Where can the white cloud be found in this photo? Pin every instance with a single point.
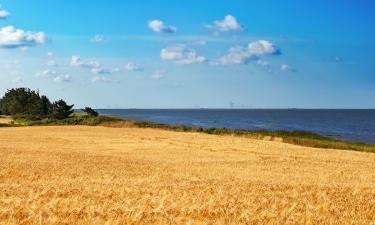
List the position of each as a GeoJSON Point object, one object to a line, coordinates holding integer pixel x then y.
{"type": "Point", "coordinates": [158, 26]}
{"type": "Point", "coordinates": [98, 38]}
{"type": "Point", "coordinates": [261, 62]}
{"type": "Point", "coordinates": [78, 62]}
{"type": "Point", "coordinates": [132, 67]}
{"type": "Point", "coordinates": [52, 63]}
{"type": "Point", "coordinates": [11, 37]}
{"type": "Point", "coordinates": [50, 54]}
{"type": "Point", "coordinates": [101, 70]}
{"type": "Point", "coordinates": [46, 73]}
{"type": "Point", "coordinates": [235, 56]}
{"type": "Point", "coordinates": [286, 67]}
{"type": "Point", "coordinates": [62, 78]}
{"type": "Point", "coordinates": [180, 54]}
{"type": "Point", "coordinates": [4, 14]}
{"type": "Point", "coordinates": [263, 47]}
{"type": "Point", "coordinates": [158, 75]}
{"type": "Point", "coordinates": [229, 23]}
{"type": "Point", "coordinates": [255, 50]}
{"type": "Point", "coordinates": [100, 79]}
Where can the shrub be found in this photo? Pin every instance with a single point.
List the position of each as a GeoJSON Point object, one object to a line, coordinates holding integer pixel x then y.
{"type": "Point", "coordinates": [61, 110]}
{"type": "Point", "coordinates": [90, 112]}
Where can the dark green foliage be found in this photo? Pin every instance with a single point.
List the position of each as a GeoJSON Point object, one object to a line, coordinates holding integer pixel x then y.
{"type": "Point", "coordinates": [61, 110]}
{"type": "Point", "coordinates": [90, 112]}
{"type": "Point", "coordinates": [72, 120]}
{"type": "Point", "coordinates": [23, 102]}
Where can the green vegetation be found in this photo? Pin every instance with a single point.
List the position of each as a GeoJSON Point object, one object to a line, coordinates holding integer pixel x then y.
{"type": "Point", "coordinates": [90, 112]}
{"type": "Point", "coordinates": [302, 138]}
{"type": "Point", "coordinates": [73, 119]}
{"type": "Point", "coordinates": [23, 103]}
{"type": "Point", "coordinates": [28, 108]}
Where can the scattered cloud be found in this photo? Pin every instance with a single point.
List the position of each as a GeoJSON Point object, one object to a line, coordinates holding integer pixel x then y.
{"type": "Point", "coordinates": [132, 67]}
{"type": "Point", "coordinates": [100, 70]}
{"type": "Point", "coordinates": [158, 26]}
{"type": "Point", "coordinates": [288, 68]}
{"type": "Point", "coordinates": [62, 78]}
{"type": "Point", "coordinates": [337, 59]}
{"type": "Point", "coordinates": [254, 50]}
{"type": "Point", "coordinates": [158, 75]}
{"type": "Point", "coordinates": [11, 37]}
{"type": "Point", "coordinates": [4, 14]}
{"type": "Point", "coordinates": [100, 79]}
{"type": "Point", "coordinates": [46, 73]}
{"type": "Point", "coordinates": [98, 38]}
{"type": "Point", "coordinates": [52, 63]}
{"type": "Point", "coordinates": [264, 63]}
{"type": "Point", "coordinates": [180, 54]}
{"type": "Point", "coordinates": [95, 67]}
{"type": "Point", "coordinates": [79, 62]}
{"type": "Point", "coordinates": [262, 47]}
{"type": "Point", "coordinates": [229, 23]}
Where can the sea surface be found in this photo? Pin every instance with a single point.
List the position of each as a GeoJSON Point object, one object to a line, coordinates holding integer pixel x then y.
{"type": "Point", "coordinates": [350, 125]}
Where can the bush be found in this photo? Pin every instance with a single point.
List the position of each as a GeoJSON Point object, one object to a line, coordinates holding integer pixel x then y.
{"type": "Point", "coordinates": [90, 112]}
{"type": "Point", "coordinates": [61, 110]}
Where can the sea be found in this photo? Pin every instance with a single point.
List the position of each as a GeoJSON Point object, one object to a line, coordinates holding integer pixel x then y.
{"type": "Point", "coordinates": [356, 125]}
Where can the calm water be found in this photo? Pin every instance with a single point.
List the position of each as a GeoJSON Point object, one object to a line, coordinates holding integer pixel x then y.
{"type": "Point", "coordinates": [351, 125]}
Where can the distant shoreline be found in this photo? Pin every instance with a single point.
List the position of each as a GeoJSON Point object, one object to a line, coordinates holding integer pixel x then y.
{"type": "Point", "coordinates": [302, 138]}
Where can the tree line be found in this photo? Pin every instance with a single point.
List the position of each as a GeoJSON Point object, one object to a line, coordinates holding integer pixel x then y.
{"type": "Point", "coordinates": [29, 104]}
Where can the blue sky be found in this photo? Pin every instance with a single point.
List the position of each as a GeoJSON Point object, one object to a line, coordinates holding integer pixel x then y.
{"type": "Point", "coordinates": [188, 54]}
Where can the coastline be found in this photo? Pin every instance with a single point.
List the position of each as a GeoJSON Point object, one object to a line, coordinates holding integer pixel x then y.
{"type": "Point", "coordinates": [301, 138]}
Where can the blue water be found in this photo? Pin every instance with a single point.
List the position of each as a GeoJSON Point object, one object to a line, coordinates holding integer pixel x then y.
{"type": "Point", "coordinates": [350, 125]}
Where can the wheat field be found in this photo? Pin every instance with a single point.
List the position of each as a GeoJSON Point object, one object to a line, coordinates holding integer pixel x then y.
{"type": "Point", "coordinates": [99, 175]}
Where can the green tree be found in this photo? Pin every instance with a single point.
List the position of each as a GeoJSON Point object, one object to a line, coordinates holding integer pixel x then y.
{"type": "Point", "coordinates": [90, 112]}
{"type": "Point", "coordinates": [25, 102]}
{"type": "Point", "coordinates": [61, 110]}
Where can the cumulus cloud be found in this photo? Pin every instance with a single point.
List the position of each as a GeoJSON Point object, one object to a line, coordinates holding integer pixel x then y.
{"type": "Point", "coordinates": [62, 78]}
{"type": "Point", "coordinates": [132, 67]}
{"type": "Point", "coordinates": [98, 38]}
{"type": "Point", "coordinates": [263, 47]}
{"type": "Point", "coordinates": [158, 26]}
{"type": "Point", "coordinates": [180, 54]}
{"type": "Point", "coordinates": [4, 14]}
{"type": "Point", "coordinates": [11, 37]}
{"type": "Point", "coordinates": [254, 50]}
{"type": "Point", "coordinates": [288, 68]}
{"type": "Point", "coordinates": [157, 75]}
{"type": "Point", "coordinates": [79, 62]}
{"type": "Point", "coordinates": [229, 23]}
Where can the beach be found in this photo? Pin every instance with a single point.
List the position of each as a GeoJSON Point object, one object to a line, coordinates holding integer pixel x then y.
{"type": "Point", "coordinates": [98, 175]}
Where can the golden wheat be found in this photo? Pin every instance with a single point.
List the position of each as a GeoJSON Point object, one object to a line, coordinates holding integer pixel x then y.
{"type": "Point", "coordinates": [98, 175]}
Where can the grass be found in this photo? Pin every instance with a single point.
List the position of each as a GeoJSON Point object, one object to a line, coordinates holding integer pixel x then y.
{"type": "Point", "coordinates": [302, 138]}
{"type": "Point", "coordinates": [100, 175]}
